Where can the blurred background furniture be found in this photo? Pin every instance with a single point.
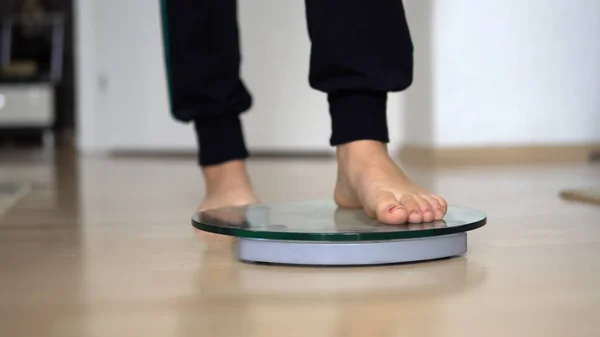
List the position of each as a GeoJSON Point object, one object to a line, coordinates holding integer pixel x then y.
{"type": "Point", "coordinates": [31, 66]}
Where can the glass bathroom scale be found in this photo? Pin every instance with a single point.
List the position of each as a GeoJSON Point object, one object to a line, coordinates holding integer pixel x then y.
{"type": "Point", "coordinates": [321, 233]}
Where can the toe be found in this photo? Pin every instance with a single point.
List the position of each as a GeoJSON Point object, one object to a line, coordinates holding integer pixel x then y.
{"type": "Point", "coordinates": [389, 211]}
{"type": "Point", "coordinates": [436, 206]}
{"type": "Point", "coordinates": [442, 202]}
{"type": "Point", "coordinates": [426, 209]}
{"type": "Point", "coordinates": [413, 208]}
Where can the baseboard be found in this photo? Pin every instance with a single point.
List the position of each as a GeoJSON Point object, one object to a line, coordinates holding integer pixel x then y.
{"type": "Point", "coordinates": [498, 155]}
{"type": "Point", "coordinates": [254, 154]}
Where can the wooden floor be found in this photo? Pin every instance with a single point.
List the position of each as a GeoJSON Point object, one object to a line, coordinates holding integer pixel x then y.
{"type": "Point", "coordinates": [104, 247]}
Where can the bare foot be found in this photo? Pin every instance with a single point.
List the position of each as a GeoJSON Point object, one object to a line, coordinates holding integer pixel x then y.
{"type": "Point", "coordinates": [227, 184]}
{"type": "Point", "coordinates": [369, 179]}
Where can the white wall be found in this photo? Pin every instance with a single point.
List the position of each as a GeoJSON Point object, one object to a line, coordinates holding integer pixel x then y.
{"type": "Point", "coordinates": [85, 74]}
{"type": "Point", "coordinates": [287, 114]}
{"type": "Point", "coordinates": [486, 73]}
{"type": "Point", "coordinates": [124, 104]}
{"type": "Point", "coordinates": [516, 72]}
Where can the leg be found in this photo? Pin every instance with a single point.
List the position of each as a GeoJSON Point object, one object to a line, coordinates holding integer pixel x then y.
{"type": "Point", "coordinates": [203, 71]}
{"type": "Point", "coordinates": [361, 50]}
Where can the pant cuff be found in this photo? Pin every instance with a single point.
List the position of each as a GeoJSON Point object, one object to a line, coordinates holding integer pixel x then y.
{"type": "Point", "coordinates": [220, 139]}
{"type": "Point", "coordinates": [358, 116]}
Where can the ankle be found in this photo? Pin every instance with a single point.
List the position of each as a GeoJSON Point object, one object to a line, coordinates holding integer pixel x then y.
{"type": "Point", "coordinates": [228, 167]}
{"type": "Point", "coordinates": [360, 150]}
{"type": "Point", "coordinates": [228, 175]}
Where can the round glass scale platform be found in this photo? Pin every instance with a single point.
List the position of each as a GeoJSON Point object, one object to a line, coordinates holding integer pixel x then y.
{"type": "Point", "coordinates": [320, 233]}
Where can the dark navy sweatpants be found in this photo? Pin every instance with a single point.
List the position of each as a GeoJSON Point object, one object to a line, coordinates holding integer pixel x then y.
{"type": "Point", "coordinates": [360, 51]}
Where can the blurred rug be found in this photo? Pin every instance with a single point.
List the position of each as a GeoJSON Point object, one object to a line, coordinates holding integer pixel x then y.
{"type": "Point", "coordinates": [586, 195]}
{"type": "Point", "coordinates": [10, 195]}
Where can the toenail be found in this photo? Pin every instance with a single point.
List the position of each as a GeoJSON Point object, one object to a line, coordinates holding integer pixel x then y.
{"type": "Point", "coordinates": [395, 208]}
{"type": "Point", "coordinates": [414, 212]}
{"type": "Point", "coordinates": [427, 211]}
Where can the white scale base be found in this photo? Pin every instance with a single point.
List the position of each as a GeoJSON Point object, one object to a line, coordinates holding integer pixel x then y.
{"type": "Point", "coordinates": [329, 253]}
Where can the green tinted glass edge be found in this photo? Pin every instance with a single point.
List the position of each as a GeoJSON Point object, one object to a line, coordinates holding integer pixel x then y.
{"type": "Point", "coordinates": [295, 236]}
